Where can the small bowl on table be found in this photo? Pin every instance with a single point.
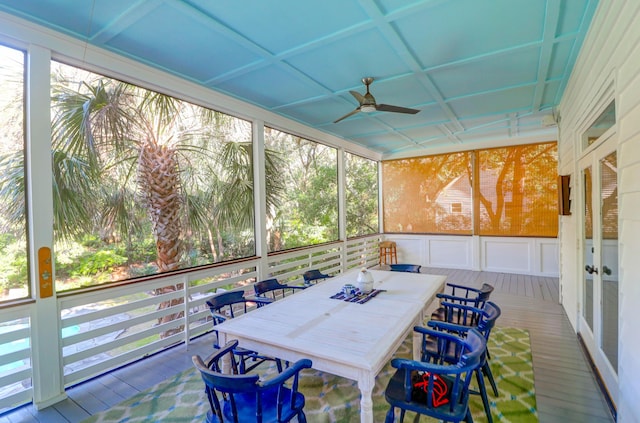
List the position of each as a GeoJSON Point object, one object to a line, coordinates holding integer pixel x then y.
{"type": "Point", "coordinates": [349, 290]}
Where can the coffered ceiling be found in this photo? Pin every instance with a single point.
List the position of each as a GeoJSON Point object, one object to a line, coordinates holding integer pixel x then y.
{"type": "Point", "coordinates": [476, 70]}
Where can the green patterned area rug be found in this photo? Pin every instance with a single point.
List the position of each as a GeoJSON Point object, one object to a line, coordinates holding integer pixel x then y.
{"type": "Point", "coordinates": [334, 399]}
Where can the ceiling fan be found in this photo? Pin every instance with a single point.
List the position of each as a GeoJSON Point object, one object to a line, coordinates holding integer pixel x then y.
{"type": "Point", "coordinates": [368, 103]}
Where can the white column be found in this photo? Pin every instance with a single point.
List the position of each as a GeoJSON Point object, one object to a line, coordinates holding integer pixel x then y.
{"type": "Point", "coordinates": [342, 207]}
{"type": "Point", "coordinates": [45, 329]}
{"type": "Point", "coordinates": [380, 214]}
{"type": "Point", "coordinates": [260, 198]}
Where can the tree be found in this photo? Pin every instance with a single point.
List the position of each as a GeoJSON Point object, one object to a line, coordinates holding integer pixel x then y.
{"type": "Point", "coordinates": [411, 189]}
{"type": "Point", "coordinates": [361, 185]}
{"type": "Point", "coordinates": [13, 243]}
{"type": "Point", "coordinates": [127, 160]}
{"type": "Point", "coordinates": [517, 189]}
{"type": "Point", "coordinates": [308, 212]}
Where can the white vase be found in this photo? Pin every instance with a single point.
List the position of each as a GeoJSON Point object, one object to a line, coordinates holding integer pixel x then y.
{"type": "Point", "coordinates": [365, 281]}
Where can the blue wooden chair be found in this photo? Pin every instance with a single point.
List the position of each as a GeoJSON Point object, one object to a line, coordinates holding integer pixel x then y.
{"type": "Point", "coordinates": [271, 288]}
{"type": "Point", "coordinates": [483, 321]}
{"type": "Point", "coordinates": [313, 276]}
{"type": "Point", "coordinates": [465, 295]}
{"type": "Point", "coordinates": [242, 398]}
{"type": "Point", "coordinates": [436, 389]}
{"type": "Point", "coordinates": [410, 268]}
{"type": "Point", "coordinates": [225, 306]}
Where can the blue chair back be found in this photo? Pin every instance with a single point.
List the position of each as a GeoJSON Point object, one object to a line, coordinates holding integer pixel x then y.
{"type": "Point", "coordinates": [313, 275]}
{"type": "Point", "coordinates": [223, 303]}
{"type": "Point", "coordinates": [267, 285]}
{"type": "Point", "coordinates": [410, 268]}
{"type": "Point", "coordinates": [273, 287]}
{"type": "Point", "coordinates": [488, 317]}
{"type": "Point", "coordinates": [239, 398]}
{"type": "Point", "coordinates": [483, 295]}
{"type": "Point", "coordinates": [444, 386]}
{"type": "Point", "coordinates": [225, 306]}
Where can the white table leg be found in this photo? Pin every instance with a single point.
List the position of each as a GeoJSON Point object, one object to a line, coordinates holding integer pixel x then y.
{"type": "Point", "coordinates": [226, 360]}
{"type": "Point", "coordinates": [366, 384]}
{"type": "Point", "coordinates": [417, 340]}
{"type": "Point", "coordinates": [417, 337]}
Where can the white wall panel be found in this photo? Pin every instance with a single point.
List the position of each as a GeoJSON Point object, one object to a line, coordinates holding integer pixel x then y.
{"type": "Point", "coordinates": [507, 255]}
{"type": "Point", "coordinates": [410, 250]}
{"type": "Point", "coordinates": [547, 257]}
{"type": "Point", "coordinates": [450, 252]}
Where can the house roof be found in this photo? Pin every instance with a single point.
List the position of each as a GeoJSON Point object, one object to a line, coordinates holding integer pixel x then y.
{"type": "Point", "coordinates": [476, 70]}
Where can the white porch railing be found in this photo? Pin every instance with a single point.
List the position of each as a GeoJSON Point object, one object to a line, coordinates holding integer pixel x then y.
{"type": "Point", "coordinates": [15, 356]}
{"type": "Point", "coordinates": [107, 328]}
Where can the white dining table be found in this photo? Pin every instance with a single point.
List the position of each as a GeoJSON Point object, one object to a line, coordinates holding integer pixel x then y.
{"type": "Point", "coordinates": [343, 338]}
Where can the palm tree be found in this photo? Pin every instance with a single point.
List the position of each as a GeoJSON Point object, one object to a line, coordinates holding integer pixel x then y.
{"type": "Point", "coordinates": [136, 144]}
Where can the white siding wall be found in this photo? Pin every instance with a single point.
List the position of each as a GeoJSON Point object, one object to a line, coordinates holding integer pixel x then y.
{"type": "Point", "coordinates": [610, 57]}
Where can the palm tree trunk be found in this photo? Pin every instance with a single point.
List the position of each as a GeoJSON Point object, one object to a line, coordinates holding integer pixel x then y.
{"type": "Point", "coordinates": [159, 182]}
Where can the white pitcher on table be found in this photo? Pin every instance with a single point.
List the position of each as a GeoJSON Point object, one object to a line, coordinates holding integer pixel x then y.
{"type": "Point", "coordinates": [365, 281]}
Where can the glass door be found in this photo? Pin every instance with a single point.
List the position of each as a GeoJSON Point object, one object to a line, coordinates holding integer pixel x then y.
{"type": "Point", "coordinates": [609, 253]}
{"type": "Point", "coordinates": [588, 248]}
{"type": "Point", "coordinates": [598, 323]}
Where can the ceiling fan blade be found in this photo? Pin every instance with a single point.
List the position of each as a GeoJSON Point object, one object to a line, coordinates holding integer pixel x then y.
{"type": "Point", "coordinates": [358, 96]}
{"type": "Point", "coordinates": [395, 109]}
{"type": "Point", "coordinates": [347, 115]}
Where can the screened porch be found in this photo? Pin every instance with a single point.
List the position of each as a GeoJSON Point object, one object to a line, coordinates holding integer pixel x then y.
{"type": "Point", "coordinates": [131, 194]}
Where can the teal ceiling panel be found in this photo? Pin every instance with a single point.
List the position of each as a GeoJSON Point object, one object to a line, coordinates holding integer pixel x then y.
{"type": "Point", "coordinates": [360, 126]}
{"type": "Point", "coordinates": [429, 115]}
{"type": "Point", "coordinates": [551, 96]}
{"type": "Point", "coordinates": [508, 100]}
{"type": "Point", "coordinates": [282, 25]}
{"type": "Point", "coordinates": [459, 30]}
{"type": "Point", "coordinates": [489, 73]}
{"type": "Point", "coordinates": [271, 86]}
{"type": "Point", "coordinates": [340, 65]}
{"type": "Point", "coordinates": [560, 59]}
{"type": "Point", "coordinates": [190, 56]}
{"type": "Point", "coordinates": [78, 18]}
{"type": "Point", "coordinates": [320, 112]}
{"type": "Point", "coordinates": [573, 16]}
{"type": "Point", "coordinates": [423, 133]}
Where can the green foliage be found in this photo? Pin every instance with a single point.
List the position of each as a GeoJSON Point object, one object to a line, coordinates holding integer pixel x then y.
{"type": "Point", "coordinates": [143, 270]}
{"type": "Point", "coordinates": [308, 213]}
{"type": "Point", "coordinates": [142, 251]}
{"type": "Point", "coordinates": [13, 262]}
{"type": "Point", "coordinates": [103, 225]}
{"type": "Point", "coordinates": [361, 185]}
{"type": "Point", "coordinates": [99, 261]}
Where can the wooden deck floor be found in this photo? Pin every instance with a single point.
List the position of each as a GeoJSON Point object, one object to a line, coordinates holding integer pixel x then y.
{"type": "Point", "coordinates": [566, 389]}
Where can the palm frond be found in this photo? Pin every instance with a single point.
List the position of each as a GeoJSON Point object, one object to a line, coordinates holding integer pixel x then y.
{"type": "Point", "coordinates": [12, 192]}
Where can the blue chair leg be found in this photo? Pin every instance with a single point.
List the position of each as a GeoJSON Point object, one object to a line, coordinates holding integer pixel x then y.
{"type": "Point", "coordinates": [468, 418]}
{"type": "Point", "coordinates": [486, 369]}
{"type": "Point", "coordinates": [390, 416]}
{"type": "Point", "coordinates": [483, 394]}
